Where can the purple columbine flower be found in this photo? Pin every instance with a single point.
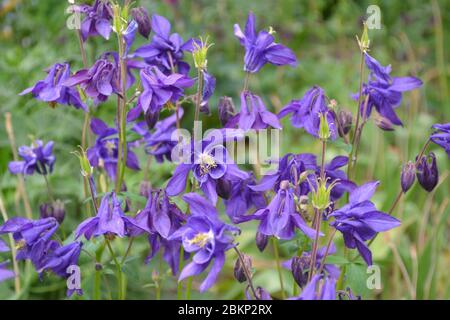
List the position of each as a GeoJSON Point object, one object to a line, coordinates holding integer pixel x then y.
{"type": "Point", "coordinates": [385, 91]}
{"type": "Point", "coordinates": [208, 90]}
{"type": "Point", "coordinates": [442, 136]}
{"type": "Point", "coordinates": [36, 157]}
{"type": "Point", "coordinates": [159, 89]}
{"type": "Point", "coordinates": [99, 81]}
{"type": "Point", "coordinates": [305, 112]}
{"type": "Point", "coordinates": [140, 14]}
{"type": "Point", "coordinates": [3, 246]}
{"type": "Point", "coordinates": [360, 221]}
{"type": "Point", "coordinates": [97, 19]}
{"type": "Point", "coordinates": [209, 161]}
{"type": "Point", "coordinates": [253, 114]}
{"type": "Point", "coordinates": [160, 219]}
{"type": "Point", "coordinates": [60, 259]}
{"type": "Point", "coordinates": [5, 274]}
{"type": "Point", "coordinates": [52, 90]}
{"type": "Point", "coordinates": [165, 51]}
{"type": "Point", "coordinates": [161, 141]}
{"type": "Point", "coordinates": [105, 151]}
{"type": "Point", "coordinates": [110, 220]}
{"type": "Point", "coordinates": [280, 218]}
{"type": "Point", "coordinates": [319, 288]}
{"type": "Point", "coordinates": [242, 198]}
{"type": "Point", "coordinates": [206, 237]}
{"type": "Point", "coordinates": [427, 172]}
{"type": "Point", "coordinates": [261, 48]}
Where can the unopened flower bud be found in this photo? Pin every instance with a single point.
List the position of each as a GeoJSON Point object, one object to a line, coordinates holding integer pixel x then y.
{"type": "Point", "coordinates": [261, 241]}
{"type": "Point", "coordinates": [384, 123]}
{"type": "Point", "coordinates": [55, 210]}
{"type": "Point", "coordinates": [324, 128]}
{"type": "Point", "coordinates": [239, 268]}
{"type": "Point", "coordinates": [151, 118]}
{"type": "Point", "coordinates": [408, 176]}
{"type": "Point", "coordinates": [299, 267]}
{"type": "Point", "coordinates": [226, 110]}
{"type": "Point", "coordinates": [140, 14]}
{"type": "Point", "coordinates": [427, 172]}
{"type": "Point", "coordinates": [223, 188]}
{"type": "Point", "coordinates": [345, 118]}
{"type": "Point", "coordinates": [98, 266]}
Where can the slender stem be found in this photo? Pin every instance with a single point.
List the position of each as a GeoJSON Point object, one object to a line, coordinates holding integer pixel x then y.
{"type": "Point", "coordinates": [247, 273]}
{"type": "Point", "coordinates": [322, 168]}
{"type": "Point", "coordinates": [119, 270]}
{"type": "Point", "coordinates": [278, 262]}
{"type": "Point", "coordinates": [21, 182]}
{"type": "Point", "coordinates": [49, 189]}
{"type": "Point", "coordinates": [317, 221]}
{"type": "Point", "coordinates": [189, 288]}
{"type": "Point", "coordinates": [180, 283]}
{"type": "Point", "coordinates": [422, 151]}
{"type": "Point", "coordinates": [361, 72]}
{"type": "Point", "coordinates": [198, 99]}
{"type": "Point", "coordinates": [91, 188]}
{"type": "Point", "coordinates": [158, 284]}
{"type": "Point", "coordinates": [82, 48]}
{"type": "Point", "coordinates": [13, 251]}
{"type": "Point", "coordinates": [127, 252]}
{"type": "Point", "coordinates": [330, 241]}
{"type": "Point", "coordinates": [246, 81]}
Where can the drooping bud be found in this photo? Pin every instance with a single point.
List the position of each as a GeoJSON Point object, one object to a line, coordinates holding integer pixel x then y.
{"type": "Point", "coordinates": [408, 176]}
{"type": "Point", "coordinates": [226, 110]}
{"type": "Point", "coordinates": [223, 188]}
{"type": "Point", "coordinates": [299, 268]}
{"type": "Point", "coordinates": [384, 123]}
{"type": "Point", "coordinates": [140, 14]}
{"type": "Point", "coordinates": [345, 119]}
{"type": "Point", "coordinates": [324, 128]}
{"type": "Point", "coordinates": [427, 172]}
{"type": "Point", "coordinates": [54, 210]}
{"type": "Point", "coordinates": [239, 268]}
{"type": "Point", "coordinates": [261, 241]}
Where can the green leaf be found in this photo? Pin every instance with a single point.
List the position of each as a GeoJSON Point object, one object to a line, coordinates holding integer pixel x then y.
{"type": "Point", "coordinates": [338, 260]}
{"type": "Point", "coordinates": [357, 279]}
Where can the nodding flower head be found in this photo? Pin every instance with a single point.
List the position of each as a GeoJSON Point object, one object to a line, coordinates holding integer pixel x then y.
{"type": "Point", "coordinates": [321, 193]}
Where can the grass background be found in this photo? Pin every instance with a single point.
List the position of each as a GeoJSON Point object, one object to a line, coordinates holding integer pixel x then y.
{"type": "Point", "coordinates": [414, 258]}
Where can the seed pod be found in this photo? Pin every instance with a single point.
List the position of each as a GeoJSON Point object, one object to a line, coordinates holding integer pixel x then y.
{"type": "Point", "coordinates": [140, 14]}
{"type": "Point", "coordinates": [261, 241]}
{"type": "Point", "coordinates": [427, 172]}
{"type": "Point", "coordinates": [55, 210]}
{"type": "Point", "coordinates": [345, 119]}
{"type": "Point", "coordinates": [239, 268]}
{"type": "Point", "coordinates": [408, 176]}
{"type": "Point", "coordinates": [226, 110]}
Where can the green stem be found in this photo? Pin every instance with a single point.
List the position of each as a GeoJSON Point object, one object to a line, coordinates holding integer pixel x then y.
{"type": "Point", "coordinates": [180, 283]}
{"type": "Point", "coordinates": [49, 189]}
{"type": "Point", "coordinates": [317, 221]}
{"type": "Point", "coordinates": [119, 271]}
{"type": "Point", "coordinates": [189, 288]}
{"type": "Point", "coordinates": [279, 269]}
{"type": "Point", "coordinates": [198, 100]}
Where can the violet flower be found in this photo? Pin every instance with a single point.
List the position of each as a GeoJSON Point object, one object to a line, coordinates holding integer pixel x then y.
{"type": "Point", "coordinates": [5, 274]}
{"type": "Point", "coordinates": [140, 14]}
{"type": "Point", "coordinates": [319, 288]}
{"type": "Point", "coordinates": [305, 112]}
{"type": "Point", "coordinates": [209, 161]}
{"type": "Point", "coordinates": [158, 89]}
{"type": "Point", "coordinates": [110, 220]}
{"type": "Point", "coordinates": [208, 90]}
{"type": "Point", "coordinates": [60, 259]}
{"type": "Point", "coordinates": [165, 51]}
{"type": "Point", "coordinates": [36, 157]}
{"type": "Point", "coordinates": [99, 81]}
{"type": "Point", "coordinates": [385, 91]}
{"type": "Point", "coordinates": [427, 172]}
{"type": "Point", "coordinates": [160, 219]}
{"type": "Point", "coordinates": [97, 19]}
{"type": "Point", "coordinates": [359, 220]}
{"type": "Point", "coordinates": [253, 114]}
{"type": "Point", "coordinates": [261, 48]}
{"type": "Point", "coordinates": [442, 136]}
{"type": "Point", "coordinates": [3, 246]}
{"type": "Point", "coordinates": [52, 90]}
{"type": "Point", "coordinates": [160, 141]}
{"type": "Point", "coordinates": [280, 218]}
{"type": "Point", "coordinates": [105, 151]}
{"type": "Point", "coordinates": [206, 237]}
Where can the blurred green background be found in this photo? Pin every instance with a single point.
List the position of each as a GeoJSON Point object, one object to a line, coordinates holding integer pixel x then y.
{"type": "Point", "coordinates": [414, 258]}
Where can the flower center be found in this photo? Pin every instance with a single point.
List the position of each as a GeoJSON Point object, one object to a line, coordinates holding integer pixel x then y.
{"type": "Point", "coordinates": [110, 147]}
{"type": "Point", "coordinates": [207, 162]}
{"type": "Point", "coordinates": [202, 239]}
